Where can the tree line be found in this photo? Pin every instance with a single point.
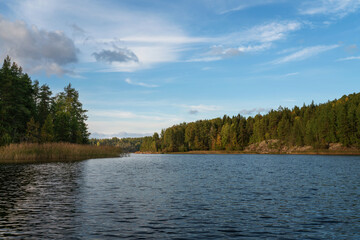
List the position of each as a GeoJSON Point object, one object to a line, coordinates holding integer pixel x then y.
{"type": "Point", "coordinates": [126, 144]}
{"type": "Point", "coordinates": [336, 121]}
{"type": "Point", "coordinates": [30, 113]}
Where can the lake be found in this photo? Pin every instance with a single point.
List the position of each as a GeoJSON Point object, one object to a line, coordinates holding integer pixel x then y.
{"type": "Point", "coordinates": [183, 197]}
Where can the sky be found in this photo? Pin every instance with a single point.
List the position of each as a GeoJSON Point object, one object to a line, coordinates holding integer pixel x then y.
{"type": "Point", "coordinates": [141, 66]}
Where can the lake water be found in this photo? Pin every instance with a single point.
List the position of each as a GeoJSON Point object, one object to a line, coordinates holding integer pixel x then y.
{"type": "Point", "coordinates": [183, 197]}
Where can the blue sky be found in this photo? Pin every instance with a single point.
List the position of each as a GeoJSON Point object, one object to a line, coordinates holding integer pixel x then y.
{"type": "Point", "coordinates": [141, 66]}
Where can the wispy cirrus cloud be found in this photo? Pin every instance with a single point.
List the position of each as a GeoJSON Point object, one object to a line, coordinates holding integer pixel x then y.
{"type": "Point", "coordinates": [304, 54]}
{"type": "Point", "coordinates": [246, 5]}
{"type": "Point", "coordinates": [219, 52]}
{"type": "Point", "coordinates": [268, 32]}
{"type": "Point", "coordinates": [290, 74]}
{"type": "Point", "coordinates": [255, 39]}
{"type": "Point", "coordinates": [349, 58]}
{"type": "Point", "coordinates": [140, 126]}
{"type": "Point", "coordinates": [337, 8]}
{"type": "Point", "coordinates": [204, 108]}
{"type": "Point", "coordinates": [205, 59]}
{"type": "Point", "coordinates": [114, 121]}
{"type": "Point", "coordinates": [129, 81]}
{"type": "Point", "coordinates": [115, 114]}
{"type": "Point", "coordinates": [119, 135]}
{"type": "Point", "coordinates": [229, 6]}
{"type": "Point", "coordinates": [176, 39]}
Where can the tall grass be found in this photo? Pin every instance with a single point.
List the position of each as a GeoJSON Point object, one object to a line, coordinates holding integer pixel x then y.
{"type": "Point", "coordinates": [34, 152]}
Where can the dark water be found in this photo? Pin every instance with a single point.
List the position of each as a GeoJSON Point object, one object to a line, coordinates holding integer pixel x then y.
{"type": "Point", "coordinates": [183, 197]}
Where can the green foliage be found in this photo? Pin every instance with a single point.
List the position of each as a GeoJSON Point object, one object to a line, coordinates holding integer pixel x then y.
{"type": "Point", "coordinates": [32, 131]}
{"type": "Point", "coordinates": [69, 117]}
{"type": "Point", "coordinates": [126, 144]}
{"type": "Point", "coordinates": [148, 144]}
{"type": "Point", "coordinates": [27, 110]}
{"type": "Point", "coordinates": [17, 101]}
{"type": "Point", "coordinates": [336, 121]}
{"type": "Point", "coordinates": [47, 130]}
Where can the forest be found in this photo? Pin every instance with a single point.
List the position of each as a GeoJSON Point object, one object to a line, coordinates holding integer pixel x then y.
{"type": "Point", "coordinates": [30, 113]}
{"type": "Point", "coordinates": [336, 121]}
{"type": "Point", "coordinates": [126, 144]}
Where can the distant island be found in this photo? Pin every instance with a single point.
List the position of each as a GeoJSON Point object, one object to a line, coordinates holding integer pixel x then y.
{"type": "Point", "coordinates": [328, 128]}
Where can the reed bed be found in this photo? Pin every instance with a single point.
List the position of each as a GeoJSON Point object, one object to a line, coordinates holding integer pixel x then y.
{"type": "Point", "coordinates": [35, 152]}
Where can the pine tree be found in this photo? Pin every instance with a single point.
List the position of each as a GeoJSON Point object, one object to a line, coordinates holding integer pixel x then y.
{"type": "Point", "coordinates": [32, 131]}
{"type": "Point", "coordinates": [69, 117]}
{"type": "Point", "coordinates": [47, 130]}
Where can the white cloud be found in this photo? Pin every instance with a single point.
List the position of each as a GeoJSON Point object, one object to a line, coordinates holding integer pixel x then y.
{"type": "Point", "coordinates": [50, 68]}
{"type": "Point", "coordinates": [144, 126]}
{"type": "Point", "coordinates": [201, 108]}
{"type": "Point", "coordinates": [254, 111]}
{"type": "Point", "coordinates": [129, 81]}
{"type": "Point", "coordinates": [119, 135]}
{"type": "Point", "coordinates": [219, 50]}
{"type": "Point", "coordinates": [291, 74]}
{"type": "Point", "coordinates": [287, 50]}
{"type": "Point", "coordinates": [245, 5]}
{"type": "Point", "coordinates": [205, 59]}
{"type": "Point", "coordinates": [150, 37]}
{"type": "Point", "coordinates": [269, 32]}
{"type": "Point", "coordinates": [113, 114]}
{"type": "Point", "coordinates": [304, 54]}
{"type": "Point", "coordinates": [222, 52]}
{"type": "Point", "coordinates": [206, 68]}
{"type": "Point", "coordinates": [36, 49]}
{"type": "Point", "coordinates": [255, 39]}
{"type": "Point", "coordinates": [114, 121]}
{"type": "Point", "coordinates": [349, 58]}
{"type": "Point", "coordinates": [338, 8]}
{"type": "Point", "coordinates": [228, 6]}
{"type": "Point", "coordinates": [179, 39]}
{"type": "Point", "coordinates": [255, 48]}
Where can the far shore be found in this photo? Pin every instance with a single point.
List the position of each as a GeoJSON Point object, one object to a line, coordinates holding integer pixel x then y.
{"type": "Point", "coordinates": [319, 152]}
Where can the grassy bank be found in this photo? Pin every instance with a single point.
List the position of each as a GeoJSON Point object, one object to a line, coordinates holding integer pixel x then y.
{"type": "Point", "coordinates": [33, 152]}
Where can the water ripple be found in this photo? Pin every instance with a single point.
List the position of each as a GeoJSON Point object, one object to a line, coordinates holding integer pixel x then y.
{"type": "Point", "coordinates": [183, 197]}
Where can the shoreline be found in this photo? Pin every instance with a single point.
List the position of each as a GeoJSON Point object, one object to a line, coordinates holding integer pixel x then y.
{"type": "Point", "coordinates": [320, 152]}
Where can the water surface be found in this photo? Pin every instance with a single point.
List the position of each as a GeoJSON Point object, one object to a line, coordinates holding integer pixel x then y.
{"type": "Point", "coordinates": [183, 197]}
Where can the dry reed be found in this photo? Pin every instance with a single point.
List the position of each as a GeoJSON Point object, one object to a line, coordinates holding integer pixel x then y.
{"type": "Point", "coordinates": [34, 152]}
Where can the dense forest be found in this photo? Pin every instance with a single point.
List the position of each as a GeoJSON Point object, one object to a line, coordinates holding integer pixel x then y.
{"type": "Point", "coordinates": [313, 125]}
{"type": "Point", "coordinates": [30, 113]}
{"type": "Point", "coordinates": [126, 144]}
